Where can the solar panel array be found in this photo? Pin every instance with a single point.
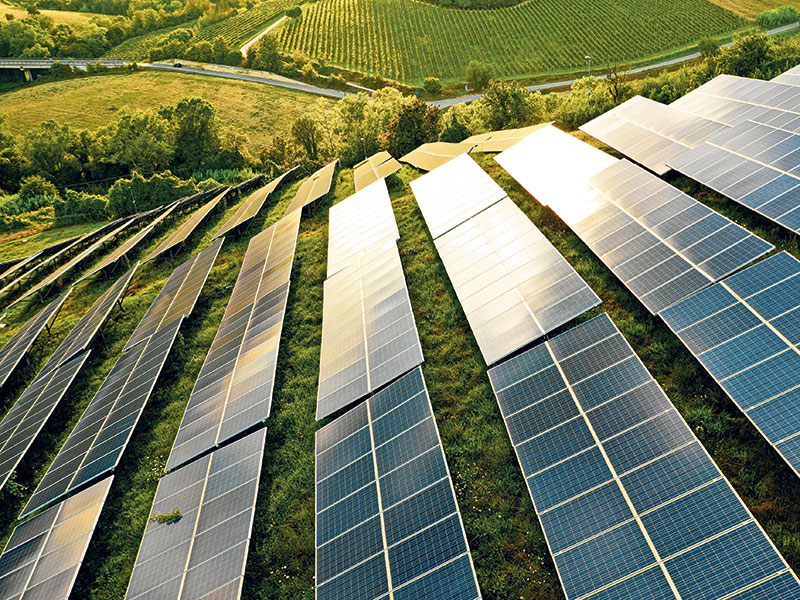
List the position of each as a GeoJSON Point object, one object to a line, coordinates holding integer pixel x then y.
{"type": "Point", "coordinates": [314, 188]}
{"type": "Point", "coordinates": [453, 193]}
{"type": "Point", "coordinates": [362, 220]}
{"type": "Point", "coordinates": [630, 503]}
{"type": "Point", "coordinates": [18, 346]}
{"type": "Point", "coordinates": [387, 523]}
{"type": "Point", "coordinates": [433, 155]}
{"type": "Point", "coordinates": [791, 77]}
{"type": "Point", "coordinates": [42, 558]}
{"type": "Point", "coordinates": [203, 555]}
{"type": "Point", "coordinates": [497, 141]}
{"type": "Point", "coordinates": [186, 228]}
{"type": "Point", "coordinates": [661, 243]}
{"type": "Point", "coordinates": [513, 284]}
{"type": "Point", "coordinates": [234, 389]}
{"type": "Point", "coordinates": [252, 205]}
{"type": "Point", "coordinates": [651, 133]}
{"type": "Point", "coordinates": [369, 336]}
{"type": "Point", "coordinates": [178, 296]}
{"type": "Point", "coordinates": [374, 168]}
{"type": "Point", "coordinates": [744, 331]}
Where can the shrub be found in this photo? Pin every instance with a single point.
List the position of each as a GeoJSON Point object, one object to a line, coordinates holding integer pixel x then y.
{"type": "Point", "coordinates": [783, 15]}
{"type": "Point", "coordinates": [478, 75]}
{"type": "Point", "coordinates": [294, 12]}
{"type": "Point", "coordinates": [79, 207]}
{"type": "Point", "coordinates": [432, 85]}
{"type": "Point", "coordinates": [129, 196]}
{"type": "Point", "coordinates": [168, 518]}
{"type": "Point", "coordinates": [35, 186]}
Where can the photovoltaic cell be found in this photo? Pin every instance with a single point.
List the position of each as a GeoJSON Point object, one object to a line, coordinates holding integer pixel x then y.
{"type": "Point", "coordinates": [376, 167]}
{"type": "Point", "coordinates": [386, 515]}
{"type": "Point", "coordinates": [314, 188]}
{"type": "Point", "coordinates": [661, 243]}
{"type": "Point", "coordinates": [234, 389]}
{"type": "Point", "coordinates": [252, 204]}
{"type": "Point", "coordinates": [42, 558]}
{"type": "Point", "coordinates": [631, 504]}
{"type": "Point", "coordinates": [513, 284]}
{"type": "Point", "coordinates": [362, 220]}
{"type": "Point", "coordinates": [96, 444]}
{"type": "Point", "coordinates": [204, 554]}
{"type": "Point", "coordinates": [434, 154]}
{"type": "Point", "coordinates": [791, 77]}
{"type": "Point", "coordinates": [497, 141]}
{"type": "Point", "coordinates": [178, 296]}
{"type": "Point", "coordinates": [18, 345]}
{"type": "Point", "coordinates": [369, 336]}
{"type": "Point", "coordinates": [453, 193]}
{"type": "Point", "coordinates": [744, 331]}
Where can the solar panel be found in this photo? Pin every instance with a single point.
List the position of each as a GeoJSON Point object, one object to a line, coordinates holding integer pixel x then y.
{"type": "Point", "coordinates": [743, 330]}
{"type": "Point", "coordinates": [18, 346]}
{"type": "Point", "coordinates": [26, 418]}
{"type": "Point", "coordinates": [631, 504]}
{"type": "Point", "coordinates": [791, 77]}
{"type": "Point", "coordinates": [314, 188]}
{"type": "Point", "coordinates": [376, 167]}
{"type": "Point", "coordinates": [513, 284]}
{"type": "Point", "coordinates": [178, 296]}
{"type": "Point", "coordinates": [204, 554]}
{"type": "Point", "coordinates": [661, 243]}
{"type": "Point", "coordinates": [95, 446]}
{"type": "Point", "coordinates": [369, 336]}
{"type": "Point", "coordinates": [234, 389]}
{"type": "Point", "coordinates": [252, 205]}
{"type": "Point", "coordinates": [497, 141]}
{"type": "Point", "coordinates": [180, 235]}
{"type": "Point", "coordinates": [454, 192]}
{"type": "Point", "coordinates": [430, 156]}
{"type": "Point", "coordinates": [362, 220]}
{"type": "Point", "coordinates": [42, 558]}
{"type": "Point", "coordinates": [387, 522]}
{"type": "Point", "coordinates": [651, 133]}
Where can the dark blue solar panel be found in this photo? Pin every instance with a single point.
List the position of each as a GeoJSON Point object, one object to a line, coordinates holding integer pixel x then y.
{"type": "Point", "coordinates": [652, 584]}
{"type": "Point", "coordinates": [452, 581]}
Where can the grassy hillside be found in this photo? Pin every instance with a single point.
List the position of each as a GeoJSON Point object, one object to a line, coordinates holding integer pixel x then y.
{"type": "Point", "coordinates": [406, 40]}
{"type": "Point", "coordinates": [59, 16]}
{"type": "Point", "coordinates": [23, 243]}
{"type": "Point", "coordinates": [259, 110]}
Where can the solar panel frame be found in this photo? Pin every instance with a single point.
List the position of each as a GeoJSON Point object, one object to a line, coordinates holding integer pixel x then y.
{"type": "Point", "coordinates": [314, 187]}
{"type": "Point", "coordinates": [435, 154]}
{"type": "Point", "coordinates": [627, 496]}
{"type": "Point", "coordinates": [376, 167]}
{"type": "Point", "coordinates": [387, 521]}
{"type": "Point", "coordinates": [35, 546]}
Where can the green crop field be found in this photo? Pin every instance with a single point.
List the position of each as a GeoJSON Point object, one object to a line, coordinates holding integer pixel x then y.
{"type": "Point", "coordinates": [245, 25]}
{"type": "Point", "coordinates": [407, 41]}
{"type": "Point", "coordinates": [138, 48]}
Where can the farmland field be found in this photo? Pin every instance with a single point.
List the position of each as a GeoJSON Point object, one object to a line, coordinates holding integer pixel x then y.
{"type": "Point", "coordinates": [407, 41]}
{"type": "Point", "coordinates": [240, 28]}
{"type": "Point", "coordinates": [59, 16]}
{"type": "Point", "coordinates": [750, 9]}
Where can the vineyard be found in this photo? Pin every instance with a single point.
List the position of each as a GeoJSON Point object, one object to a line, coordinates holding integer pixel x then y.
{"type": "Point", "coordinates": [138, 48]}
{"type": "Point", "coordinates": [406, 41]}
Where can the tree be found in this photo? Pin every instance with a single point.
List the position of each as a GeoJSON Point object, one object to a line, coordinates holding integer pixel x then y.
{"type": "Point", "coordinates": [52, 151]}
{"type": "Point", "coordinates": [140, 140]}
{"type": "Point", "coordinates": [478, 75]}
{"type": "Point", "coordinates": [306, 132]}
{"type": "Point", "coordinates": [265, 54]}
{"type": "Point", "coordinates": [618, 84]}
{"type": "Point", "coordinates": [417, 123]}
{"type": "Point", "coordinates": [197, 132]}
{"type": "Point", "coordinates": [12, 162]}
{"type": "Point", "coordinates": [708, 47]}
{"type": "Point", "coordinates": [36, 186]}
{"type": "Point", "coordinates": [294, 12]}
{"type": "Point", "coordinates": [745, 57]}
{"type": "Point", "coordinates": [432, 85]}
{"type": "Point", "coordinates": [455, 132]}
{"type": "Point", "coordinates": [505, 105]}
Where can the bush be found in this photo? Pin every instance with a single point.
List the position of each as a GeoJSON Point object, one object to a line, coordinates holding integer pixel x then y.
{"type": "Point", "coordinates": [35, 186]}
{"type": "Point", "coordinates": [708, 47]}
{"type": "Point", "coordinates": [294, 12]}
{"type": "Point", "coordinates": [79, 207]}
{"type": "Point", "coordinates": [783, 15]}
{"type": "Point", "coordinates": [130, 196]}
{"type": "Point", "coordinates": [432, 85]}
{"type": "Point", "coordinates": [478, 75]}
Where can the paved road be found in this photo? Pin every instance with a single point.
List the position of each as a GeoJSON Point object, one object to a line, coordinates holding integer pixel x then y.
{"type": "Point", "coordinates": [569, 82]}
{"type": "Point", "coordinates": [247, 46]}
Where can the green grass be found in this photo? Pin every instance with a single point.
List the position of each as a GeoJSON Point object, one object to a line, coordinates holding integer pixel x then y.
{"type": "Point", "coordinates": [67, 17]}
{"type": "Point", "coordinates": [245, 25]}
{"type": "Point", "coordinates": [406, 41]}
{"type": "Point", "coordinates": [22, 243]}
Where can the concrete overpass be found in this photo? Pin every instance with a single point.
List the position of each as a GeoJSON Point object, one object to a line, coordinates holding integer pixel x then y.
{"type": "Point", "coordinates": [27, 65]}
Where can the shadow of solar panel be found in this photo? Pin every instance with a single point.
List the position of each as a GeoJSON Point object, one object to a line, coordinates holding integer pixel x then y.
{"type": "Point", "coordinates": [313, 188]}
{"type": "Point", "coordinates": [387, 519]}
{"type": "Point", "coordinates": [453, 193]}
{"type": "Point", "coordinates": [178, 296]}
{"type": "Point", "coordinates": [234, 389]}
{"type": "Point", "coordinates": [744, 331]}
{"type": "Point", "coordinates": [369, 336]}
{"type": "Point", "coordinates": [627, 497]}
{"type": "Point", "coordinates": [42, 558]}
{"type": "Point", "coordinates": [96, 444]}
{"type": "Point", "coordinates": [374, 168]}
{"type": "Point", "coordinates": [364, 219]}
{"type": "Point", "coordinates": [435, 154]}
{"type": "Point", "coordinates": [29, 413]}
{"type": "Point", "coordinates": [18, 346]}
{"type": "Point", "coordinates": [513, 284]}
{"type": "Point", "coordinates": [204, 554]}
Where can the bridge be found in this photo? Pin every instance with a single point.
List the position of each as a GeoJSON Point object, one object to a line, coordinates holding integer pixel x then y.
{"type": "Point", "coordinates": [27, 65]}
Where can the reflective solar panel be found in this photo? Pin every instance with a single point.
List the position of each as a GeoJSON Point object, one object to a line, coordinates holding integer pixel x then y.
{"type": "Point", "coordinates": [374, 168]}
{"type": "Point", "coordinates": [178, 296]}
{"type": "Point", "coordinates": [430, 156]}
{"type": "Point", "coordinates": [661, 243]}
{"type": "Point", "coordinates": [362, 220]}
{"type": "Point", "coordinates": [631, 504]}
{"type": "Point", "coordinates": [29, 413]}
{"type": "Point", "coordinates": [42, 558]}
{"type": "Point", "coordinates": [387, 522]}
{"type": "Point", "coordinates": [96, 444]}
{"type": "Point", "coordinates": [791, 77]}
{"type": "Point", "coordinates": [513, 284]}
{"type": "Point", "coordinates": [651, 133]}
{"type": "Point", "coordinates": [369, 336]}
{"type": "Point", "coordinates": [8, 267]}
{"type": "Point", "coordinates": [18, 346]}
{"type": "Point", "coordinates": [234, 389]}
{"type": "Point", "coordinates": [454, 192]}
{"type": "Point", "coordinates": [252, 205]}
{"type": "Point", "coordinates": [497, 141]}
{"type": "Point", "coordinates": [314, 188]}
{"type": "Point", "coordinates": [744, 331]}
{"type": "Point", "coordinates": [204, 554]}
{"type": "Point", "coordinates": [180, 235]}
